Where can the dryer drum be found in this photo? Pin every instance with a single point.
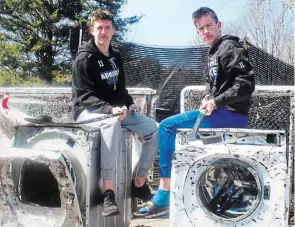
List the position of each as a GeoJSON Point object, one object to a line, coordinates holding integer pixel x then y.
{"type": "Point", "coordinates": [228, 189]}
{"type": "Point", "coordinates": [37, 185]}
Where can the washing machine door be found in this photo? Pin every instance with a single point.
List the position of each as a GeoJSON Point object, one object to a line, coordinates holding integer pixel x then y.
{"type": "Point", "coordinates": [224, 190]}
{"type": "Point", "coordinates": [228, 190]}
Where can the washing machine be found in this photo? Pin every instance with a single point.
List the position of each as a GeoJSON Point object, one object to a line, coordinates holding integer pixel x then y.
{"type": "Point", "coordinates": [230, 177]}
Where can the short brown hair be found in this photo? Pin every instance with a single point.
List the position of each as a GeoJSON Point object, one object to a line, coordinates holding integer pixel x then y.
{"type": "Point", "coordinates": [204, 11]}
{"type": "Point", "coordinates": [101, 14]}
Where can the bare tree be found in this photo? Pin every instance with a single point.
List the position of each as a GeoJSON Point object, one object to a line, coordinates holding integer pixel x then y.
{"type": "Point", "coordinates": [289, 4]}
{"type": "Point", "coordinates": [198, 41]}
{"type": "Point", "coordinates": [268, 24]}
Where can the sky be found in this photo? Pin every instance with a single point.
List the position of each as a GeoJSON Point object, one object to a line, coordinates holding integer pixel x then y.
{"type": "Point", "coordinates": [168, 22]}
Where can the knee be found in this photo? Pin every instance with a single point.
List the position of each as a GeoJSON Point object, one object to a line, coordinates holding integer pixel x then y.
{"type": "Point", "coordinates": [154, 127]}
{"type": "Point", "coordinates": [151, 130]}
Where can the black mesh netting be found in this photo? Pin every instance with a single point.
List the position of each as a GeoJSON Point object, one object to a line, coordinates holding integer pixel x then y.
{"type": "Point", "coordinates": [169, 70]}
{"type": "Point", "coordinates": [270, 108]}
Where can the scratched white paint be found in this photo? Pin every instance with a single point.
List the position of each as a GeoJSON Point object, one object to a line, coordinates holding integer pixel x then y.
{"type": "Point", "coordinates": [34, 137]}
{"type": "Point", "coordinates": [15, 213]}
{"type": "Point", "coordinates": [268, 161]}
{"type": "Point", "coordinates": [191, 97]}
{"type": "Point", "coordinates": [31, 138]}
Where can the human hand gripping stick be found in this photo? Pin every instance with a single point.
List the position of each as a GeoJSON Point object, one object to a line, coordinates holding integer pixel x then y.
{"type": "Point", "coordinates": [206, 108]}
{"type": "Point", "coordinates": [121, 111]}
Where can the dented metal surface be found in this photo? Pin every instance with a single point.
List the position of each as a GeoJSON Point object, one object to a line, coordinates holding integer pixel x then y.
{"type": "Point", "coordinates": [81, 158]}
{"type": "Point", "coordinates": [272, 108]}
{"type": "Point", "coordinates": [233, 136]}
{"type": "Point", "coordinates": [72, 143]}
{"type": "Point", "coordinates": [269, 165]}
{"type": "Point", "coordinates": [266, 153]}
{"type": "Point", "coordinates": [122, 184]}
{"type": "Point", "coordinates": [15, 213]}
{"type": "Point", "coordinates": [80, 153]}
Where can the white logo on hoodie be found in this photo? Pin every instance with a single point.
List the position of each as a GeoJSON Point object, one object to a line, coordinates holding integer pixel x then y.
{"type": "Point", "coordinates": [109, 74]}
{"type": "Point", "coordinates": [213, 68]}
{"type": "Point", "coordinates": [100, 63]}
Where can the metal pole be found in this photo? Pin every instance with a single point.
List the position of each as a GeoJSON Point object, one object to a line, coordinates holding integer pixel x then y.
{"type": "Point", "coordinates": [80, 34]}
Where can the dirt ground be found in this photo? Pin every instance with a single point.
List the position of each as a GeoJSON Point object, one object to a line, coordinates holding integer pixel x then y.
{"type": "Point", "coordinates": [160, 222]}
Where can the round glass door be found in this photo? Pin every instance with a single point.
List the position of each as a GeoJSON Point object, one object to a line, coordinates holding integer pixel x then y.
{"type": "Point", "coordinates": [229, 190]}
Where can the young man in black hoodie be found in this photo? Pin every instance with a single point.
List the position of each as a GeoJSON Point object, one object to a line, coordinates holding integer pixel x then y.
{"type": "Point", "coordinates": [229, 85]}
{"type": "Point", "coordinates": [98, 87]}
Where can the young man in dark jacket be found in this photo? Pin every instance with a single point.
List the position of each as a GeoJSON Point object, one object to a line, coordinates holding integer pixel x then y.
{"type": "Point", "coordinates": [229, 85]}
{"type": "Point", "coordinates": [98, 88]}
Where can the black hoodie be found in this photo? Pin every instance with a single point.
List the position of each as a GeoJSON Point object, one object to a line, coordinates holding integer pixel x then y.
{"type": "Point", "coordinates": [230, 80]}
{"type": "Point", "coordinates": [98, 82]}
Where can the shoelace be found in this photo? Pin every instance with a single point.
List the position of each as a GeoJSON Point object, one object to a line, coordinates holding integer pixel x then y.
{"type": "Point", "coordinates": [110, 198]}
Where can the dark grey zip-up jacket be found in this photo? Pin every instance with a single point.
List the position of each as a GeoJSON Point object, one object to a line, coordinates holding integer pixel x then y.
{"type": "Point", "coordinates": [98, 82]}
{"type": "Point", "coordinates": [230, 80]}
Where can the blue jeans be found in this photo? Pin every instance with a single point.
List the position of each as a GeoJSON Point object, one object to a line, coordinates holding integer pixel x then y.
{"type": "Point", "coordinates": [219, 118]}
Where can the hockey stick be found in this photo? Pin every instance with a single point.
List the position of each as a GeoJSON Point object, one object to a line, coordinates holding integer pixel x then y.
{"type": "Point", "coordinates": [202, 110]}
{"type": "Point", "coordinates": [47, 120]}
{"type": "Point", "coordinates": [193, 133]}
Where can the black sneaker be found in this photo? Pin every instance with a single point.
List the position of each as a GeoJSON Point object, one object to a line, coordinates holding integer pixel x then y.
{"type": "Point", "coordinates": [109, 205]}
{"type": "Point", "coordinates": [143, 192]}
